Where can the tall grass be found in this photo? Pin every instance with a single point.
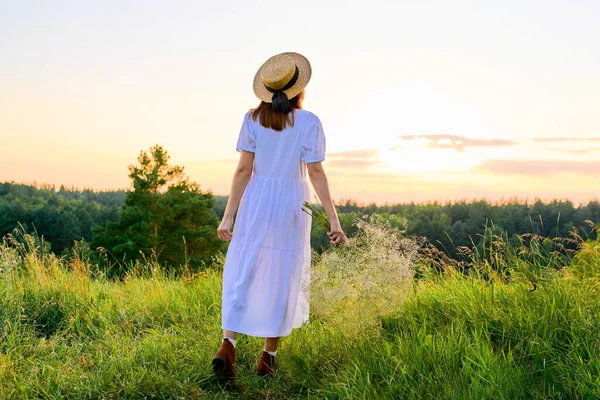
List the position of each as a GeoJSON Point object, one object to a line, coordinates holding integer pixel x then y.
{"type": "Point", "coordinates": [470, 331]}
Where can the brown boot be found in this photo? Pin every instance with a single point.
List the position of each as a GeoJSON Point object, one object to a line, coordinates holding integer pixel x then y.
{"type": "Point", "coordinates": [224, 360]}
{"type": "Point", "coordinates": [266, 365]}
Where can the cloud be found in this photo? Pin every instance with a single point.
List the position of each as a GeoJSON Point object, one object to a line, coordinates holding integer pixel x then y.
{"type": "Point", "coordinates": [589, 150]}
{"type": "Point", "coordinates": [353, 163]}
{"type": "Point", "coordinates": [566, 139]}
{"type": "Point", "coordinates": [361, 158]}
{"type": "Point", "coordinates": [362, 153]}
{"type": "Point", "coordinates": [456, 142]}
{"type": "Point", "coordinates": [539, 167]}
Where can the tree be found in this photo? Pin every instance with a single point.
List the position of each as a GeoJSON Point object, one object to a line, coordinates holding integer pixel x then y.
{"type": "Point", "coordinates": [165, 216]}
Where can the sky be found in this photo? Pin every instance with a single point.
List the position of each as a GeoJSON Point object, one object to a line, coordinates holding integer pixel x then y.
{"type": "Point", "coordinates": [420, 100]}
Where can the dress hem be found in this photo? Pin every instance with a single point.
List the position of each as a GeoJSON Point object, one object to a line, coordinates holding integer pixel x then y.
{"type": "Point", "coordinates": [262, 334]}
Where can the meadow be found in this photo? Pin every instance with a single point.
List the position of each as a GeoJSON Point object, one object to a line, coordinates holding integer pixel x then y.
{"type": "Point", "coordinates": [388, 321]}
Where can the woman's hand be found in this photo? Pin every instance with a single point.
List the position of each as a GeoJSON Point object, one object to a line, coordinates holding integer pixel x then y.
{"type": "Point", "coordinates": [224, 229]}
{"type": "Point", "coordinates": [336, 234]}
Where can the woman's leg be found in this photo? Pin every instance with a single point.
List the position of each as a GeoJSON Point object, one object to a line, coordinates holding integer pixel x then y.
{"type": "Point", "coordinates": [229, 334]}
{"type": "Point", "coordinates": [271, 344]}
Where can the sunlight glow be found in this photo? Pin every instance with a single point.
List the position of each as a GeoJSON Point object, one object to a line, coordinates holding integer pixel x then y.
{"type": "Point", "coordinates": [415, 105]}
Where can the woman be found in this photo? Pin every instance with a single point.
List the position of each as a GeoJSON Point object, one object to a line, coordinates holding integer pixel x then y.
{"type": "Point", "coordinates": [267, 268]}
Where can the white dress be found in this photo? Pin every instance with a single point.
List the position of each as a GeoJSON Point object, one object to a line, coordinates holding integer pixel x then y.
{"type": "Point", "coordinates": [267, 268]}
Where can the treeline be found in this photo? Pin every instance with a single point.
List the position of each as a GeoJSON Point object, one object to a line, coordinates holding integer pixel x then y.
{"type": "Point", "coordinates": [457, 224]}
{"type": "Point", "coordinates": [59, 216]}
{"type": "Point", "coordinates": [65, 215]}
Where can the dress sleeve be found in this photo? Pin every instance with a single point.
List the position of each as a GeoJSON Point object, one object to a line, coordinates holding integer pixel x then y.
{"type": "Point", "coordinates": [313, 143]}
{"type": "Point", "coordinates": [247, 138]}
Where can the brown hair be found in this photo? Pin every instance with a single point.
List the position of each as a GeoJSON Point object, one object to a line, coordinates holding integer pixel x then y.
{"type": "Point", "coordinates": [278, 121]}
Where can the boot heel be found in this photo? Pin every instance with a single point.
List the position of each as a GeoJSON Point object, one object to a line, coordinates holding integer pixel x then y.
{"type": "Point", "coordinates": [219, 363]}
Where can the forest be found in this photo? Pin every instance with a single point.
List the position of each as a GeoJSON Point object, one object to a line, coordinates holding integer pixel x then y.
{"type": "Point", "coordinates": [59, 216]}
{"type": "Point", "coordinates": [62, 216]}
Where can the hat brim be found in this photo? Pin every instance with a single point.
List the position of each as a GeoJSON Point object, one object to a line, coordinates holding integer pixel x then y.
{"type": "Point", "coordinates": [304, 74]}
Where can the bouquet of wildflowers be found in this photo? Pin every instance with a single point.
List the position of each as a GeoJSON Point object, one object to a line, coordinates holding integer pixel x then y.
{"type": "Point", "coordinates": [317, 214]}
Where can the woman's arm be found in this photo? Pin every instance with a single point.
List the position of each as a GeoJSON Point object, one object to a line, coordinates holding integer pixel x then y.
{"type": "Point", "coordinates": [319, 181]}
{"type": "Point", "coordinates": [242, 175]}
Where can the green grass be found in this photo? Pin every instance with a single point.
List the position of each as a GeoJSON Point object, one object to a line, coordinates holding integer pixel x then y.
{"type": "Point", "coordinates": [66, 333]}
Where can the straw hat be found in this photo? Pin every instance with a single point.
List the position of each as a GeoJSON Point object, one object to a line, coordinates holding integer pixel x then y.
{"type": "Point", "coordinates": [286, 72]}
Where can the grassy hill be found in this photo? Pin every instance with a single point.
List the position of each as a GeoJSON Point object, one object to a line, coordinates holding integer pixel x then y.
{"type": "Point", "coordinates": [66, 332]}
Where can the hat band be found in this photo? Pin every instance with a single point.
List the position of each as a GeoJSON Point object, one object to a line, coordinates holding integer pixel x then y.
{"type": "Point", "coordinates": [288, 85]}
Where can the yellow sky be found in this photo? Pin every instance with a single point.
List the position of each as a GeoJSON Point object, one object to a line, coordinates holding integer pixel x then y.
{"type": "Point", "coordinates": [420, 101]}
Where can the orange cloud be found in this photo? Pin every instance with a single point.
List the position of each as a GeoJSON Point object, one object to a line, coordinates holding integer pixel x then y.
{"type": "Point", "coordinates": [457, 142]}
{"type": "Point", "coordinates": [566, 139]}
{"type": "Point", "coordinates": [590, 150]}
{"type": "Point", "coordinates": [539, 167]}
{"type": "Point", "coordinates": [362, 153]}
{"type": "Point", "coordinates": [362, 158]}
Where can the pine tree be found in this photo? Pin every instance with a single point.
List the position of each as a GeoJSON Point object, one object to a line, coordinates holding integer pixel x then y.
{"type": "Point", "coordinates": [165, 217]}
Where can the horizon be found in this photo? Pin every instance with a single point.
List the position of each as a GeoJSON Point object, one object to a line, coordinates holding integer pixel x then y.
{"type": "Point", "coordinates": [420, 102]}
{"type": "Point", "coordinates": [341, 201]}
